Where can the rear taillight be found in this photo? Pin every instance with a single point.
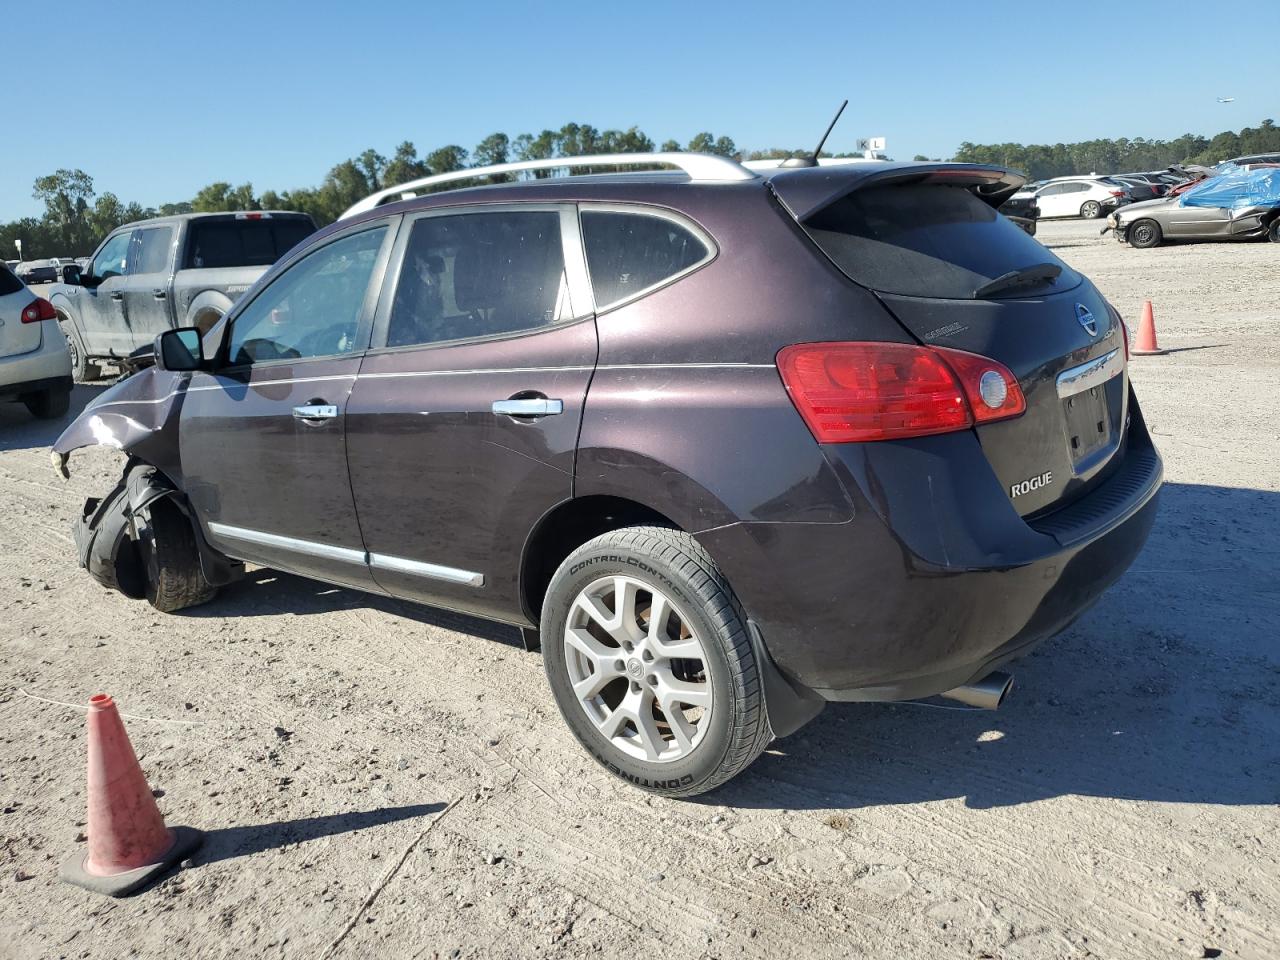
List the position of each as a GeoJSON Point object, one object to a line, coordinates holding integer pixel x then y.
{"type": "Point", "coordinates": [1117, 193]}
{"type": "Point", "coordinates": [856, 392]}
{"type": "Point", "coordinates": [37, 310]}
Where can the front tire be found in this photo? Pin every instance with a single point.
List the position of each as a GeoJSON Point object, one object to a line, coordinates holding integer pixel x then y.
{"type": "Point", "coordinates": [1273, 231]}
{"type": "Point", "coordinates": [83, 370]}
{"type": "Point", "coordinates": [49, 404]}
{"type": "Point", "coordinates": [171, 560]}
{"type": "Point", "coordinates": [1145, 234]}
{"type": "Point", "coordinates": [647, 653]}
{"type": "Point", "coordinates": [1091, 210]}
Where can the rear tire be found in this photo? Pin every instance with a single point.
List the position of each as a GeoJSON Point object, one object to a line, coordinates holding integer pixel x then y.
{"type": "Point", "coordinates": [1091, 210]}
{"type": "Point", "coordinates": [1145, 234]}
{"type": "Point", "coordinates": [48, 404]}
{"type": "Point", "coordinates": [171, 560]}
{"type": "Point", "coordinates": [640, 668]}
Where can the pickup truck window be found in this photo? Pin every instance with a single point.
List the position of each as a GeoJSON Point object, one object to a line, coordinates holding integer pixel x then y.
{"type": "Point", "coordinates": [112, 260]}
{"type": "Point", "coordinates": [152, 255]}
{"type": "Point", "coordinates": [242, 243]}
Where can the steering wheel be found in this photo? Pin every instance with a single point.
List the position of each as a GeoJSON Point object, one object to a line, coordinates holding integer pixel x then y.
{"type": "Point", "coordinates": [326, 340]}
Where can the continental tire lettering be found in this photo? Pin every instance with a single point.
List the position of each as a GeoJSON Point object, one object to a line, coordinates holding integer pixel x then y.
{"type": "Point", "coordinates": [644, 781]}
{"type": "Point", "coordinates": [630, 562]}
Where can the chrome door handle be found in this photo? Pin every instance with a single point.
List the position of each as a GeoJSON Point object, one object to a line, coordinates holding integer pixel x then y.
{"type": "Point", "coordinates": [315, 411]}
{"type": "Point", "coordinates": [532, 407]}
{"type": "Point", "coordinates": [117, 295]}
{"type": "Point", "coordinates": [159, 294]}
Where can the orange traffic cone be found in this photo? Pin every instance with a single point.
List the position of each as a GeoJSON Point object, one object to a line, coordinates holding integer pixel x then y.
{"type": "Point", "coordinates": [1146, 344]}
{"type": "Point", "coordinates": [128, 843]}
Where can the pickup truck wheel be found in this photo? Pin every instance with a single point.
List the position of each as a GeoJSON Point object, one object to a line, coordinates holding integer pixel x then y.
{"type": "Point", "coordinates": [647, 653]}
{"type": "Point", "coordinates": [1145, 234]}
{"type": "Point", "coordinates": [48, 404]}
{"type": "Point", "coordinates": [1091, 210]}
{"type": "Point", "coordinates": [83, 369]}
{"type": "Point", "coordinates": [171, 560]}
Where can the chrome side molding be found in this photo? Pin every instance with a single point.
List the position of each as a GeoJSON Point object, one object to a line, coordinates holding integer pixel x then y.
{"type": "Point", "coordinates": [377, 561]}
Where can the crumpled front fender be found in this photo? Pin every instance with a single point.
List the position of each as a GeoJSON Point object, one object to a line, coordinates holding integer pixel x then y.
{"type": "Point", "coordinates": [139, 416]}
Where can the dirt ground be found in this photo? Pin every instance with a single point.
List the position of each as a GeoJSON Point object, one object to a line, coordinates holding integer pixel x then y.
{"type": "Point", "coordinates": [1122, 804]}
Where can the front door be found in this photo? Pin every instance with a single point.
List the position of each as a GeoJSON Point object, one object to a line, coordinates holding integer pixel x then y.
{"type": "Point", "coordinates": [146, 288]}
{"type": "Point", "coordinates": [463, 425]}
{"type": "Point", "coordinates": [103, 320]}
{"type": "Point", "coordinates": [263, 436]}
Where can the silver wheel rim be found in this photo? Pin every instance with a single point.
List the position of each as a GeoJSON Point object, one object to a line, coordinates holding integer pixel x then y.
{"type": "Point", "coordinates": [638, 669]}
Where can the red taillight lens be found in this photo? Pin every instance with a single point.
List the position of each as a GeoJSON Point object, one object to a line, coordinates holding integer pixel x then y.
{"type": "Point", "coordinates": [1117, 193]}
{"type": "Point", "coordinates": [37, 310]}
{"type": "Point", "coordinates": [855, 392]}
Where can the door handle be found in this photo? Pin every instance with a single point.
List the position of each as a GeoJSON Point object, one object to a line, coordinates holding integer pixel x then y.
{"type": "Point", "coordinates": [158, 294]}
{"type": "Point", "coordinates": [531, 407]}
{"type": "Point", "coordinates": [117, 295]}
{"type": "Point", "coordinates": [315, 411]}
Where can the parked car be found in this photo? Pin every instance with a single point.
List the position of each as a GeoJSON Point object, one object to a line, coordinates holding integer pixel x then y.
{"type": "Point", "coordinates": [37, 271]}
{"type": "Point", "coordinates": [1141, 188]}
{"type": "Point", "coordinates": [168, 272]}
{"type": "Point", "coordinates": [727, 445]}
{"type": "Point", "coordinates": [1244, 204]}
{"type": "Point", "coordinates": [1087, 197]}
{"type": "Point", "coordinates": [1022, 210]}
{"type": "Point", "coordinates": [34, 365]}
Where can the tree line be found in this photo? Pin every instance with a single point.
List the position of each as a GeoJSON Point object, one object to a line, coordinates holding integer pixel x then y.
{"type": "Point", "coordinates": [76, 218]}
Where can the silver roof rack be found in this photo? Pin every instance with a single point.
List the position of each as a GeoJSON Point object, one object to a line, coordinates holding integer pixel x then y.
{"type": "Point", "coordinates": [700, 167]}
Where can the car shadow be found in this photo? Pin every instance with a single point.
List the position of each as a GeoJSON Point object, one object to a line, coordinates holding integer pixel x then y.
{"type": "Point", "coordinates": [19, 430]}
{"type": "Point", "coordinates": [1168, 690]}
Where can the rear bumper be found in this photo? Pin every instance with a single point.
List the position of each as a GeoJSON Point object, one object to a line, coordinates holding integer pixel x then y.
{"type": "Point", "coordinates": [936, 580]}
{"type": "Point", "coordinates": [48, 365]}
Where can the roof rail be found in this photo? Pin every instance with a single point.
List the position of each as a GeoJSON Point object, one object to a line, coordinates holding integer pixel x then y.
{"type": "Point", "coordinates": [701, 168]}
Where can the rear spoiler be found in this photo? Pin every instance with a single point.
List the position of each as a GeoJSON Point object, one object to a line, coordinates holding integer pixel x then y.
{"type": "Point", "coordinates": [804, 192]}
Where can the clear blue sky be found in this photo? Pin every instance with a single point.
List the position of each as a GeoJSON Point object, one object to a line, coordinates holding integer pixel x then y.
{"type": "Point", "coordinates": [154, 100]}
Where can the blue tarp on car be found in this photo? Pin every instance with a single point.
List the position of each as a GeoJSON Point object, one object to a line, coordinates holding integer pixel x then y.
{"type": "Point", "coordinates": [1237, 189]}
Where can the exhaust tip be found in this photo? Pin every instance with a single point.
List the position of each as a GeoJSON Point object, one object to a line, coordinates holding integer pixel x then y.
{"type": "Point", "coordinates": [985, 694]}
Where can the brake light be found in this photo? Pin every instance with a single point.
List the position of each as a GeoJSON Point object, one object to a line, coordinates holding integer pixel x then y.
{"type": "Point", "coordinates": [1117, 193]}
{"type": "Point", "coordinates": [856, 392]}
{"type": "Point", "coordinates": [37, 310]}
{"type": "Point", "coordinates": [1124, 332]}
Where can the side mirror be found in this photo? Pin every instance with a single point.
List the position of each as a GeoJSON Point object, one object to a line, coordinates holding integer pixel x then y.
{"type": "Point", "coordinates": [180, 349]}
{"type": "Point", "coordinates": [71, 274]}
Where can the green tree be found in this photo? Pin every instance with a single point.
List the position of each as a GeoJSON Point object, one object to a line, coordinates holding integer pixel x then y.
{"type": "Point", "coordinates": [404, 166]}
{"type": "Point", "coordinates": [492, 150]}
{"type": "Point", "coordinates": [447, 159]}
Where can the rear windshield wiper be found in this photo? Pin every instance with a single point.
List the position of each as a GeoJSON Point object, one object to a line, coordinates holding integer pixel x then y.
{"type": "Point", "coordinates": [1015, 278]}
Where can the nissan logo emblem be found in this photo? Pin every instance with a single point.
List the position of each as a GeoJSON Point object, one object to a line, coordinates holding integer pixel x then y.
{"type": "Point", "coordinates": [1086, 320]}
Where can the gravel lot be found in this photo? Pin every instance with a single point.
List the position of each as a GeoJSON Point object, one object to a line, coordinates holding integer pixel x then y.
{"type": "Point", "coordinates": [1122, 804]}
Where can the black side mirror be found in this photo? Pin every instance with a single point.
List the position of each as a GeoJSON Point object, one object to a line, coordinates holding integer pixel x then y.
{"type": "Point", "coordinates": [71, 274]}
{"type": "Point", "coordinates": [179, 350]}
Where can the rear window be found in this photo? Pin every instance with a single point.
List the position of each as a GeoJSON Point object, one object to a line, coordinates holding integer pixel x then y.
{"type": "Point", "coordinates": [926, 241]}
{"type": "Point", "coordinates": [243, 243]}
{"type": "Point", "coordinates": [8, 282]}
{"type": "Point", "coordinates": [628, 253]}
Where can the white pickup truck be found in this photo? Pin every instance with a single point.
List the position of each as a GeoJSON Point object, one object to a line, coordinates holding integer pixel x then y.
{"type": "Point", "coordinates": [154, 275]}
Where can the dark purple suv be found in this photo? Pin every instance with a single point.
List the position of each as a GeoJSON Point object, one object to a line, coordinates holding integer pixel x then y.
{"type": "Point", "coordinates": [728, 445]}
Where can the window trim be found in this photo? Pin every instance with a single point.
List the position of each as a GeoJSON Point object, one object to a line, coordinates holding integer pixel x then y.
{"type": "Point", "coordinates": [646, 210]}
{"type": "Point", "coordinates": [575, 267]}
{"type": "Point", "coordinates": [367, 306]}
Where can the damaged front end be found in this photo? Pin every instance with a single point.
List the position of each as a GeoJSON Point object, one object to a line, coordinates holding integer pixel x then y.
{"type": "Point", "coordinates": [138, 416]}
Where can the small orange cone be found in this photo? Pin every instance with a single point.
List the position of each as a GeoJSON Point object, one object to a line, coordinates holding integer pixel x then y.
{"type": "Point", "coordinates": [1146, 345]}
{"type": "Point", "coordinates": [128, 843]}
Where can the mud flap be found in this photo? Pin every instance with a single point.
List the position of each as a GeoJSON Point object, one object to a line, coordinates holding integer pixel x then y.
{"type": "Point", "coordinates": [788, 706]}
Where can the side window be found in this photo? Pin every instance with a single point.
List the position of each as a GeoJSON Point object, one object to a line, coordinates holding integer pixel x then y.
{"type": "Point", "coordinates": [313, 308]}
{"type": "Point", "coordinates": [113, 259]}
{"type": "Point", "coordinates": [479, 275]}
{"type": "Point", "coordinates": [631, 252]}
{"type": "Point", "coordinates": [152, 254]}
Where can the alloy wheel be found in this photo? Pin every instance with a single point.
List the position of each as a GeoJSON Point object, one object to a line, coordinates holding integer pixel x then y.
{"type": "Point", "coordinates": [638, 669]}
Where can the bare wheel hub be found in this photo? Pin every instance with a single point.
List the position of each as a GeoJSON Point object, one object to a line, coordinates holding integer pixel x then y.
{"type": "Point", "coordinates": [638, 669]}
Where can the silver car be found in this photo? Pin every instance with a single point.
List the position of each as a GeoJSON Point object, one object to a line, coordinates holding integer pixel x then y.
{"type": "Point", "coordinates": [1149, 223]}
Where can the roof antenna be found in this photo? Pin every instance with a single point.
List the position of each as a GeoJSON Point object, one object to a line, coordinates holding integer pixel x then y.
{"type": "Point", "coordinates": [812, 161]}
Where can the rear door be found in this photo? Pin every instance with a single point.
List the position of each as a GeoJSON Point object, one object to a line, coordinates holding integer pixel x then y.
{"type": "Point", "coordinates": [146, 288]}
{"type": "Point", "coordinates": [16, 337]}
{"type": "Point", "coordinates": [1053, 201]}
{"type": "Point", "coordinates": [263, 436]}
{"type": "Point", "coordinates": [926, 247]}
{"type": "Point", "coordinates": [463, 424]}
